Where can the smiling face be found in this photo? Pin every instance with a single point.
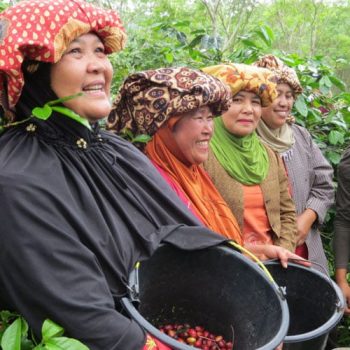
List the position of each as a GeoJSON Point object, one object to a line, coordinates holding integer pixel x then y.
{"type": "Point", "coordinates": [277, 113]}
{"type": "Point", "coordinates": [192, 134]}
{"type": "Point", "coordinates": [84, 67]}
{"type": "Point", "coordinates": [242, 118]}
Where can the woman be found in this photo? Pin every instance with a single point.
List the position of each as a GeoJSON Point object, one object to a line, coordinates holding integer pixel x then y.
{"type": "Point", "coordinates": [342, 228]}
{"type": "Point", "coordinates": [309, 173]}
{"type": "Point", "coordinates": [177, 106]}
{"type": "Point", "coordinates": [250, 176]}
{"type": "Point", "coordinates": [79, 206]}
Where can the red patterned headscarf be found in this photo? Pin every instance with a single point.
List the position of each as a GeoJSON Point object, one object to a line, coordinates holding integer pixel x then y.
{"type": "Point", "coordinates": [148, 99]}
{"type": "Point", "coordinates": [41, 30]}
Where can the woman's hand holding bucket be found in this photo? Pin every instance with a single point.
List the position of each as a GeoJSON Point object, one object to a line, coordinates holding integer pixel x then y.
{"type": "Point", "coordinates": [265, 252]}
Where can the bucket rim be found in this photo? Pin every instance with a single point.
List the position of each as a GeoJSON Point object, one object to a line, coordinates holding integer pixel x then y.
{"type": "Point", "coordinates": [331, 322]}
{"type": "Point", "coordinates": [273, 343]}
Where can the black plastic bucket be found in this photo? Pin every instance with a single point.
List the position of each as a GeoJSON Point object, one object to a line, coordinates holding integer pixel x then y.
{"type": "Point", "coordinates": [315, 304]}
{"type": "Point", "coordinates": [217, 288]}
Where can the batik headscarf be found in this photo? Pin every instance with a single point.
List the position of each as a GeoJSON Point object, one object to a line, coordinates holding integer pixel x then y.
{"type": "Point", "coordinates": [148, 99]}
{"type": "Point", "coordinates": [283, 73]}
{"type": "Point", "coordinates": [244, 158]}
{"type": "Point", "coordinates": [41, 30]}
{"type": "Point", "coordinates": [282, 139]}
{"type": "Point", "coordinates": [152, 103]}
{"type": "Point", "coordinates": [242, 77]}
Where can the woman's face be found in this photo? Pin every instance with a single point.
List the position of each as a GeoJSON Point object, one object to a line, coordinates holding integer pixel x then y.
{"type": "Point", "coordinates": [84, 68]}
{"type": "Point", "coordinates": [242, 118]}
{"type": "Point", "coordinates": [192, 134]}
{"type": "Point", "coordinates": [277, 113]}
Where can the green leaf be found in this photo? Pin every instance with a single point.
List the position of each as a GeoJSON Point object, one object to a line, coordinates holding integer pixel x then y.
{"type": "Point", "coordinates": [301, 106]}
{"type": "Point", "coordinates": [64, 343]}
{"type": "Point", "coordinates": [11, 339]}
{"type": "Point", "coordinates": [324, 89]}
{"type": "Point", "coordinates": [333, 157]}
{"type": "Point", "coordinates": [338, 83]}
{"type": "Point", "coordinates": [336, 137]}
{"type": "Point", "coordinates": [42, 113]}
{"type": "Point", "coordinates": [50, 329]}
{"type": "Point", "coordinates": [325, 81]}
{"type": "Point", "coordinates": [264, 34]}
{"type": "Point", "coordinates": [142, 138]}
{"type": "Point", "coordinates": [169, 57]}
{"type": "Point", "coordinates": [69, 113]}
{"type": "Point", "coordinates": [197, 40]}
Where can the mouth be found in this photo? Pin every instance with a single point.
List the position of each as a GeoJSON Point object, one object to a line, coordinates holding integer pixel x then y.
{"type": "Point", "coordinates": [245, 121]}
{"type": "Point", "coordinates": [282, 114]}
{"type": "Point", "coordinates": [94, 89]}
{"type": "Point", "coordinates": [204, 144]}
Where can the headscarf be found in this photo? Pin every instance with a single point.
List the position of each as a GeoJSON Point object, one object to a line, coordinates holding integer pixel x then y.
{"type": "Point", "coordinates": [41, 30]}
{"type": "Point", "coordinates": [152, 102]}
{"type": "Point", "coordinates": [283, 73]}
{"type": "Point", "coordinates": [146, 100]}
{"type": "Point", "coordinates": [282, 139]}
{"type": "Point", "coordinates": [244, 158]}
{"type": "Point", "coordinates": [242, 77]}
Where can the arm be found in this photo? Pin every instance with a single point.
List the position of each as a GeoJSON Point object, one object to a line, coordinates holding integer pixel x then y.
{"type": "Point", "coordinates": [321, 195]}
{"type": "Point", "coordinates": [342, 227]}
{"type": "Point", "coordinates": [287, 237]}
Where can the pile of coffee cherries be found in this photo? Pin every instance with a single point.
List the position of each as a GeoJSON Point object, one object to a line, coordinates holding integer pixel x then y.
{"type": "Point", "coordinates": [197, 337]}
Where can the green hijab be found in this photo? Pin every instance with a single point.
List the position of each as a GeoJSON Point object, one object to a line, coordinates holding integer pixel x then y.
{"type": "Point", "coordinates": [244, 158]}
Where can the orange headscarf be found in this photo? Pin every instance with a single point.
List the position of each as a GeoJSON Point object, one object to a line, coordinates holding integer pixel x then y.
{"type": "Point", "coordinates": [207, 202]}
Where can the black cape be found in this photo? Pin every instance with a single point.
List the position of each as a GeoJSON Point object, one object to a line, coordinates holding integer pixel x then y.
{"type": "Point", "coordinates": [75, 220]}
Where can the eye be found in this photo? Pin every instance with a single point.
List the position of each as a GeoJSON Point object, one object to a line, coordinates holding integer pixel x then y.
{"type": "Point", "coordinates": [256, 102]}
{"type": "Point", "coordinates": [74, 50]}
{"type": "Point", "coordinates": [101, 49]}
{"type": "Point", "coordinates": [237, 99]}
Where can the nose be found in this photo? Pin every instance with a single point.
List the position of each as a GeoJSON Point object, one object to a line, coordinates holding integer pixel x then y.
{"type": "Point", "coordinates": [282, 100]}
{"type": "Point", "coordinates": [247, 106]}
{"type": "Point", "coordinates": [95, 65]}
{"type": "Point", "coordinates": [208, 127]}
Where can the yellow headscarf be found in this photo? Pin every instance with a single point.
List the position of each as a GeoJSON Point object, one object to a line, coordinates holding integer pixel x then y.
{"type": "Point", "coordinates": [248, 78]}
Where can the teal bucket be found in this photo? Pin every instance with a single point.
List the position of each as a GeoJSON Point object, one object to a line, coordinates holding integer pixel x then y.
{"type": "Point", "coordinates": [217, 288]}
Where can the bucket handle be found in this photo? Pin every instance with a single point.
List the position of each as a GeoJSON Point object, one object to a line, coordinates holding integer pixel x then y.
{"type": "Point", "coordinates": [134, 289]}
{"type": "Point", "coordinates": [254, 257]}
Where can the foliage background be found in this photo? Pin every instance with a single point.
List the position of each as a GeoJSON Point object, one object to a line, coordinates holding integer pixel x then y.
{"type": "Point", "coordinates": [310, 35]}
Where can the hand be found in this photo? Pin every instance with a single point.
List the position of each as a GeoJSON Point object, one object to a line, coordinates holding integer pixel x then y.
{"type": "Point", "coordinates": [154, 344]}
{"type": "Point", "coordinates": [340, 277]}
{"type": "Point", "coordinates": [269, 251]}
{"type": "Point", "coordinates": [304, 224]}
{"type": "Point", "coordinates": [346, 291]}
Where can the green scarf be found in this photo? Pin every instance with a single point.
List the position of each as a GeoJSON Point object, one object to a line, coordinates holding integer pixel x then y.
{"type": "Point", "coordinates": [244, 158]}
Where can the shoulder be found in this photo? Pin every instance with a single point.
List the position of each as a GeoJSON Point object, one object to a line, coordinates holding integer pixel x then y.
{"type": "Point", "coordinates": [301, 133]}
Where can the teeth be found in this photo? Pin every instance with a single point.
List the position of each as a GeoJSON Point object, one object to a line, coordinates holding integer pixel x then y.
{"type": "Point", "coordinates": [202, 143]}
{"type": "Point", "coordinates": [93, 88]}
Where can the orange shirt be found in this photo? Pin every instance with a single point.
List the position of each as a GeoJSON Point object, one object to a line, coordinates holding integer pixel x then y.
{"type": "Point", "coordinates": [256, 226]}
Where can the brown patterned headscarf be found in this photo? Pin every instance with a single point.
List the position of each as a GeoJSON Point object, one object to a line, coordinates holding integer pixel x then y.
{"type": "Point", "coordinates": [284, 74]}
{"type": "Point", "coordinates": [146, 100]}
{"type": "Point", "coordinates": [242, 77]}
{"type": "Point", "coordinates": [41, 30]}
